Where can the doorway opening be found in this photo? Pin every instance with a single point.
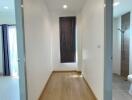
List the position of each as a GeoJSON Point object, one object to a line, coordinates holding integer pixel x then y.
{"type": "Point", "coordinates": [122, 18]}
{"type": "Point", "coordinates": [9, 50]}
{"type": "Point", "coordinates": [10, 74]}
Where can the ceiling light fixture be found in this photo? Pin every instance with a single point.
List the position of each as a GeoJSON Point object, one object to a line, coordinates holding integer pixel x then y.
{"type": "Point", "coordinates": [65, 6]}
{"type": "Point", "coordinates": [116, 3]}
{"type": "Point", "coordinates": [6, 7]}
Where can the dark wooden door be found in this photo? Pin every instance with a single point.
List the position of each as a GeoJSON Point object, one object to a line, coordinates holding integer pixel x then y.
{"type": "Point", "coordinates": [67, 39]}
{"type": "Point", "coordinates": [125, 41]}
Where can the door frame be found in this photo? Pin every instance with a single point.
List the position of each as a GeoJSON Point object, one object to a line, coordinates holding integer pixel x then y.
{"type": "Point", "coordinates": [108, 44]}
{"type": "Point", "coordinates": [21, 49]}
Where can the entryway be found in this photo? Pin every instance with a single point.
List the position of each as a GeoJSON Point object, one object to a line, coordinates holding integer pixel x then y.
{"type": "Point", "coordinates": [122, 18]}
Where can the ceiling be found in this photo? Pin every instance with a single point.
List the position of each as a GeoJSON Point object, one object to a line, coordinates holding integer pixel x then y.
{"type": "Point", "coordinates": [7, 12]}
{"type": "Point", "coordinates": [123, 7]}
{"type": "Point", "coordinates": [6, 6]}
{"type": "Point", "coordinates": [74, 6]}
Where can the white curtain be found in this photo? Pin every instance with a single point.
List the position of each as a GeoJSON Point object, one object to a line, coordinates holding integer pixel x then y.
{"type": "Point", "coordinates": [13, 55]}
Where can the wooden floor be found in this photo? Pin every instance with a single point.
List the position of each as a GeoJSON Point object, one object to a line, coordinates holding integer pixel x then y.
{"type": "Point", "coordinates": [67, 86]}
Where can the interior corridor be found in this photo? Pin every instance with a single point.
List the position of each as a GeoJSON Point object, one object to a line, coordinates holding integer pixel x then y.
{"type": "Point", "coordinates": [43, 54]}
{"type": "Point", "coordinates": [55, 37]}
{"type": "Point", "coordinates": [67, 86]}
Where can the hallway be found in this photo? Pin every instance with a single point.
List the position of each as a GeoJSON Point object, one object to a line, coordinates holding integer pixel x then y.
{"type": "Point", "coordinates": [67, 86]}
{"type": "Point", "coordinates": [42, 32]}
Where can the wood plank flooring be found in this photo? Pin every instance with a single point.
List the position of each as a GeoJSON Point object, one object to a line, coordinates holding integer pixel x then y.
{"type": "Point", "coordinates": [67, 86]}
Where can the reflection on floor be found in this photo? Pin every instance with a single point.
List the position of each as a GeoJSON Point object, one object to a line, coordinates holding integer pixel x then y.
{"type": "Point", "coordinates": [9, 88]}
{"type": "Point", "coordinates": [120, 89]}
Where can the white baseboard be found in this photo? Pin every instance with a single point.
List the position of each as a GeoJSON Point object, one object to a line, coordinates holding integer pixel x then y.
{"type": "Point", "coordinates": [66, 67]}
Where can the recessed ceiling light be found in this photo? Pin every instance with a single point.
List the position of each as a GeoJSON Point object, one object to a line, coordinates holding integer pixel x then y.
{"type": "Point", "coordinates": [65, 6]}
{"type": "Point", "coordinates": [6, 7]}
{"type": "Point", "coordinates": [116, 3]}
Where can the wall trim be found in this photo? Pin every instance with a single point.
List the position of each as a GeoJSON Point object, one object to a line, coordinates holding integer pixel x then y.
{"type": "Point", "coordinates": [67, 71]}
{"type": "Point", "coordinates": [66, 68]}
{"type": "Point", "coordinates": [44, 88]}
{"type": "Point", "coordinates": [90, 88]}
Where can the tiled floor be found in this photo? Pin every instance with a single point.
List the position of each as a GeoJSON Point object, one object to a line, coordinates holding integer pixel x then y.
{"type": "Point", "coordinates": [9, 88]}
{"type": "Point", "coordinates": [120, 89]}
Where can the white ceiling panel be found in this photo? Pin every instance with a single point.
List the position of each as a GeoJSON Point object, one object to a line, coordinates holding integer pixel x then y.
{"type": "Point", "coordinates": [6, 6]}
{"type": "Point", "coordinates": [74, 6]}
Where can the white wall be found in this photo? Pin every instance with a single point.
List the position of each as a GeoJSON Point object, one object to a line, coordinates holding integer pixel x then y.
{"type": "Point", "coordinates": [38, 46]}
{"type": "Point", "coordinates": [116, 46]}
{"type": "Point", "coordinates": [93, 45]}
{"type": "Point", "coordinates": [56, 44]}
{"type": "Point", "coordinates": [7, 18]}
